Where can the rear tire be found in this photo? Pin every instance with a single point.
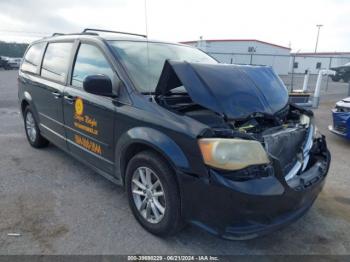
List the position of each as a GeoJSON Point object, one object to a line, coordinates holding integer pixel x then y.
{"type": "Point", "coordinates": [34, 137]}
{"type": "Point", "coordinates": [144, 171]}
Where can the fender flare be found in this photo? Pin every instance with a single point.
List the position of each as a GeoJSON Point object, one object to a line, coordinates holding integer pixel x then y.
{"type": "Point", "coordinates": [150, 138]}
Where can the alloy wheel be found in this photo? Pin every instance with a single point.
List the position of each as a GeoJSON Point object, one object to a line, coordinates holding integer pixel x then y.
{"type": "Point", "coordinates": [30, 127]}
{"type": "Point", "coordinates": [148, 194]}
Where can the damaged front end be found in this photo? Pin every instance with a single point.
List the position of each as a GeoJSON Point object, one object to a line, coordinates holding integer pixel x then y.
{"type": "Point", "coordinates": [251, 125]}
{"type": "Point", "coordinates": [257, 146]}
{"type": "Point", "coordinates": [341, 118]}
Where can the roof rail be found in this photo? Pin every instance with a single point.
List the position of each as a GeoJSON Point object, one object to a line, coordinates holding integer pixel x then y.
{"type": "Point", "coordinates": [84, 33]}
{"type": "Point", "coordinates": [109, 31]}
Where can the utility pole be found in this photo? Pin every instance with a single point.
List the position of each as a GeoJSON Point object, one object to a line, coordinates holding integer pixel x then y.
{"type": "Point", "coordinates": [318, 34]}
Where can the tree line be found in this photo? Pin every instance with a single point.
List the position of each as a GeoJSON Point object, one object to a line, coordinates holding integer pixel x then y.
{"type": "Point", "coordinates": [12, 49]}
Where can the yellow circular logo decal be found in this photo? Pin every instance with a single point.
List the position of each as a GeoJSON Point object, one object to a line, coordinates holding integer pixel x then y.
{"type": "Point", "coordinates": [79, 106]}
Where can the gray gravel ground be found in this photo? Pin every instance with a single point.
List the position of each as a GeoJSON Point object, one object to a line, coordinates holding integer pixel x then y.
{"type": "Point", "coordinates": [59, 206]}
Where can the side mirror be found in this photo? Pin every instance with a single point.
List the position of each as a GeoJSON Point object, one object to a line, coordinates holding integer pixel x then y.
{"type": "Point", "coordinates": [98, 85]}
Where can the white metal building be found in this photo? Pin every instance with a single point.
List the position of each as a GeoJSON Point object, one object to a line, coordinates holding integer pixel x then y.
{"type": "Point", "coordinates": [247, 51]}
{"type": "Point", "coordinates": [313, 62]}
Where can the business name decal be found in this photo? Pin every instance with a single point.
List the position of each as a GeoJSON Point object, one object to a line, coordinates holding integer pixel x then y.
{"type": "Point", "coordinates": [86, 123]}
{"type": "Point", "coordinates": [82, 121]}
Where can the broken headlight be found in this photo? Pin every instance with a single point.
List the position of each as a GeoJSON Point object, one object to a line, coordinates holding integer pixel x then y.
{"type": "Point", "coordinates": [232, 154]}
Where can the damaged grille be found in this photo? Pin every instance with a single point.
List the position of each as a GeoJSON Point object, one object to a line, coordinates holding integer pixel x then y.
{"type": "Point", "coordinates": [287, 146]}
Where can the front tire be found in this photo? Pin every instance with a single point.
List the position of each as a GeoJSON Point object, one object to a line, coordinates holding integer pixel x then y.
{"type": "Point", "coordinates": [34, 137]}
{"type": "Point", "coordinates": [153, 194]}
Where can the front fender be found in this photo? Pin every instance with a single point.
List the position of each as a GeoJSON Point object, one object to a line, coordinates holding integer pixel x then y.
{"type": "Point", "coordinates": [151, 138]}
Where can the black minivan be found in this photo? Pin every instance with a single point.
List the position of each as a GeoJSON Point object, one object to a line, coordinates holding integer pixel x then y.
{"type": "Point", "coordinates": [192, 141]}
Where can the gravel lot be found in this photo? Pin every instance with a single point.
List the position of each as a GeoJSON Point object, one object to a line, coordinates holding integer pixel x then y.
{"type": "Point", "coordinates": [59, 206]}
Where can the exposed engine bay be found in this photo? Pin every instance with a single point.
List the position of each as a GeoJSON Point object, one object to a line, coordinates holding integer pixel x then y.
{"type": "Point", "coordinates": [286, 136]}
{"type": "Point", "coordinates": [256, 126]}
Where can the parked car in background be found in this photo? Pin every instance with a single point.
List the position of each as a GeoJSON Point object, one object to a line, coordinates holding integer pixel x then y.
{"type": "Point", "coordinates": [342, 73]}
{"type": "Point", "coordinates": [341, 118]}
{"type": "Point", "coordinates": [14, 62]}
{"type": "Point", "coordinates": [4, 63]}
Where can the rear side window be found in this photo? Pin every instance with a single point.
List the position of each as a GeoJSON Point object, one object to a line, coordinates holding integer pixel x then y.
{"type": "Point", "coordinates": [56, 61]}
{"type": "Point", "coordinates": [90, 61]}
{"type": "Point", "coordinates": [32, 58]}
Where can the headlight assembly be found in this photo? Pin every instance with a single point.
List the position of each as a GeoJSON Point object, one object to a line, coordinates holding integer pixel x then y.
{"type": "Point", "coordinates": [232, 154]}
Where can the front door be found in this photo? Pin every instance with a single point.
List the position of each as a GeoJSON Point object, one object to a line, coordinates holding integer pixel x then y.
{"type": "Point", "coordinates": [89, 118]}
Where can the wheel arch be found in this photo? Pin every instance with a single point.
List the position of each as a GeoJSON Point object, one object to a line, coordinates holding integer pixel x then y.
{"type": "Point", "coordinates": [140, 139]}
{"type": "Point", "coordinates": [24, 105]}
{"type": "Point", "coordinates": [27, 100]}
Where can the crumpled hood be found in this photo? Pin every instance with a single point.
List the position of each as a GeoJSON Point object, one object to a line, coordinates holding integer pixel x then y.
{"type": "Point", "coordinates": [235, 91]}
{"type": "Point", "coordinates": [344, 102]}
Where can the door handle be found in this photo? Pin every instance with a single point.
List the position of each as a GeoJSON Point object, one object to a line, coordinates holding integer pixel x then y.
{"type": "Point", "coordinates": [57, 94]}
{"type": "Point", "coordinates": [70, 99]}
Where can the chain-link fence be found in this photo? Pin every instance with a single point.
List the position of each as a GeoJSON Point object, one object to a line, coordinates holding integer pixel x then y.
{"type": "Point", "coordinates": [292, 67]}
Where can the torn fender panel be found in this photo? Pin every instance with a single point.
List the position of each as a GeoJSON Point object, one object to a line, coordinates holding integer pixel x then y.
{"type": "Point", "coordinates": [235, 91]}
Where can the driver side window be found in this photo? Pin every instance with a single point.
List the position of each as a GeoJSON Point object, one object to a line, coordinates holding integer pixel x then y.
{"type": "Point", "coordinates": [90, 61]}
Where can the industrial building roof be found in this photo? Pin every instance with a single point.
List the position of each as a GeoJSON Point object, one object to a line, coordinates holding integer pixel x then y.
{"type": "Point", "coordinates": [237, 40]}
{"type": "Point", "coordinates": [321, 53]}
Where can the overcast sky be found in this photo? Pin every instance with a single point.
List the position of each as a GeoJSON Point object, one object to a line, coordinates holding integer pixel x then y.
{"type": "Point", "coordinates": [281, 22]}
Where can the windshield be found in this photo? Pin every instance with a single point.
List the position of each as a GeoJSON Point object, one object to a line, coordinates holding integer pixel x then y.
{"type": "Point", "coordinates": [145, 66]}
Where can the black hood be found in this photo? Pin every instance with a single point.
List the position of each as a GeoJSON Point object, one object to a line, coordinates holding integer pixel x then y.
{"type": "Point", "coordinates": [235, 91]}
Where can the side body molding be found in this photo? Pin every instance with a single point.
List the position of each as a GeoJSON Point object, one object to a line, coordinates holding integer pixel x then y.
{"type": "Point", "coordinates": [151, 138]}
